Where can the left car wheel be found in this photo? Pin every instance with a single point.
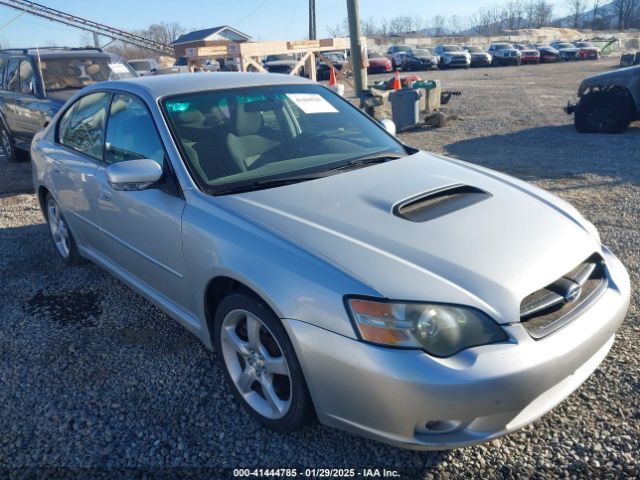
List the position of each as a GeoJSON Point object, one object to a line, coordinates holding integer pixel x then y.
{"type": "Point", "coordinates": [260, 363]}
{"type": "Point", "coordinates": [61, 234]}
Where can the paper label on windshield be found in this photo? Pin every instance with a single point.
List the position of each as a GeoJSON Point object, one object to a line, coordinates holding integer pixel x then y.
{"type": "Point", "coordinates": [311, 103]}
{"type": "Point", "coordinates": [118, 68]}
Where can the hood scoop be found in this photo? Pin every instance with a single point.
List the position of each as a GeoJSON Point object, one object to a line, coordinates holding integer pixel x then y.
{"type": "Point", "coordinates": [436, 203]}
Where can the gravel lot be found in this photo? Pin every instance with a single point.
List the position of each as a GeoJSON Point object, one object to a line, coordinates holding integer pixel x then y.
{"type": "Point", "coordinates": [95, 381]}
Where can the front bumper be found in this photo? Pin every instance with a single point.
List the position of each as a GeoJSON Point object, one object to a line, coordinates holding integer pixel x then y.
{"type": "Point", "coordinates": [391, 395]}
{"type": "Point", "coordinates": [507, 60]}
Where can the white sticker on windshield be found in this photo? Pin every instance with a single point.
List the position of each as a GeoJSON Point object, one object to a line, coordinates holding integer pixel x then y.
{"type": "Point", "coordinates": [118, 68]}
{"type": "Point", "coordinates": [311, 103]}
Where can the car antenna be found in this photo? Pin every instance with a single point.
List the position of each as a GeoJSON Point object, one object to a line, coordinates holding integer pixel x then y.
{"type": "Point", "coordinates": [44, 91]}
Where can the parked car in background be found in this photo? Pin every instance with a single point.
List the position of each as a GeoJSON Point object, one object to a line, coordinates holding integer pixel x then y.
{"type": "Point", "coordinates": [419, 59]}
{"type": "Point", "coordinates": [504, 54]}
{"type": "Point", "coordinates": [588, 51]}
{"type": "Point", "coordinates": [568, 51]}
{"type": "Point", "coordinates": [182, 65]}
{"type": "Point", "coordinates": [396, 54]}
{"type": "Point", "coordinates": [335, 271]}
{"type": "Point", "coordinates": [529, 55]}
{"type": "Point", "coordinates": [452, 56]}
{"type": "Point", "coordinates": [145, 66]}
{"type": "Point", "coordinates": [337, 59]}
{"type": "Point", "coordinates": [210, 65]}
{"type": "Point", "coordinates": [35, 83]}
{"type": "Point", "coordinates": [608, 102]}
{"type": "Point", "coordinates": [548, 54]}
{"type": "Point", "coordinates": [479, 56]}
{"type": "Point", "coordinates": [282, 63]}
{"type": "Point", "coordinates": [378, 63]}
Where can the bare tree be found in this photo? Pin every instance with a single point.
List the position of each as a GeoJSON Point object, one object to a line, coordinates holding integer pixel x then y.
{"type": "Point", "coordinates": [438, 24]}
{"type": "Point", "coordinates": [454, 24]}
{"type": "Point", "coordinates": [577, 9]}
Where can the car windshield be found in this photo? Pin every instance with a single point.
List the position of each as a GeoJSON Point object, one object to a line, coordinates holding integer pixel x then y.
{"type": "Point", "coordinates": [276, 58]}
{"type": "Point", "coordinates": [251, 138]}
{"type": "Point", "coordinates": [374, 55]}
{"type": "Point", "coordinates": [474, 50]}
{"type": "Point", "coordinates": [398, 48]}
{"type": "Point", "coordinates": [451, 48]}
{"type": "Point", "coordinates": [565, 45]}
{"type": "Point", "coordinates": [420, 52]}
{"type": "Point", "coordinates": [335, 57]}
{"type": "Point", "coordinates": [503, 46]}
{"type": "Point", "coordinates": [140, 65]}
{"type": "Point", "coordinates": [76, 72]}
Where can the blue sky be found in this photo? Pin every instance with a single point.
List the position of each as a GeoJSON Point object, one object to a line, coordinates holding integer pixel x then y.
{"type": "Point", "coordinates": [262, 19]}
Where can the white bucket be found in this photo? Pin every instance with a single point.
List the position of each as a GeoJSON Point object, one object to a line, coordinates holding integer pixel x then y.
{"type": "Point", "coordinates": [338, 88]}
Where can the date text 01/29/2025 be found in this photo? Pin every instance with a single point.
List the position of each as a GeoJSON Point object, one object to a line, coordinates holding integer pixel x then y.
{"type": "Point", "coordinates": [315, 473]}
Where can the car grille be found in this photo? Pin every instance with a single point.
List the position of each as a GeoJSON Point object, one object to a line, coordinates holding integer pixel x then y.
{"type": "Point", "coordinates": [551, 307]}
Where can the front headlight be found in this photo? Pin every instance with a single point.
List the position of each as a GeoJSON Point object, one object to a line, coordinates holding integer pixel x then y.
{"type": "Point", "coordinates": [440, 330]}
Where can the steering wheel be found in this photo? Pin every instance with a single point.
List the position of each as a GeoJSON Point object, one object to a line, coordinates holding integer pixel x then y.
{"type": "Point", "coordinates": [303, 143]}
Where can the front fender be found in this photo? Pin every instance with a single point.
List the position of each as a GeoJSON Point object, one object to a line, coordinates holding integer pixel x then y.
{"type": "Point", "coordinates": [293, 282]}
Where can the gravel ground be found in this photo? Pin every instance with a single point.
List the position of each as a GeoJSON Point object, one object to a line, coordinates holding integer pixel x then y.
{"type": "Point", "coordinates": [95, 381]}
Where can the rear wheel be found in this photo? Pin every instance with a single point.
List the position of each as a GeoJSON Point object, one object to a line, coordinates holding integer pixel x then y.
{"type": "Point", "coordinates": [8, 145]}
{"type": "Point", "coordinates": [60, 233]}
{"type": "Point", "coordinates": [260, 363]}
{"type": "Point", "coordinates": [603, 112]}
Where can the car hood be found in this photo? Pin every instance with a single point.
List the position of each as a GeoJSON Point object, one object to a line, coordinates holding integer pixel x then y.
{"type": "Point", "coordinates": [574, 49]}
{"type": "Point", "coordinates": [488, 255]}
{"type": "Point", "coordinates": [424, 57]}
{"type": "Point", "coordinates": [614, 76]}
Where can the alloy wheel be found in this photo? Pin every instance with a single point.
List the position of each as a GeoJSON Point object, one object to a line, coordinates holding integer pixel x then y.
{"type": "Point", "coordinates": [256, 364]}
{"type": "Point", "coordinates": [6, 143]}
{"type": "Point", "coordinates": [59, 228]}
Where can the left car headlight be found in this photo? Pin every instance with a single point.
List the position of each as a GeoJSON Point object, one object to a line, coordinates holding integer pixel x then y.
{"type": "Point", "coordinates": [438, 329]}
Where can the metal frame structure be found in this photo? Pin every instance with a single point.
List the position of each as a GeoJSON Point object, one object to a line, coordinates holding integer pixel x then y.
{"type": "Point", "coordinates": [54, 15]}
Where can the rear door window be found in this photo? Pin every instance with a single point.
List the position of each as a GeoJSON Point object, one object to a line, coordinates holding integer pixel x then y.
{"type": "Point", "coordinates": [2, 63]}
{"type": "Point", "coordinates": [82, 126]}
{"type": "Point", "coordinates": [27, 80]}
{"type": "Point", "coordinates": [12, 75]}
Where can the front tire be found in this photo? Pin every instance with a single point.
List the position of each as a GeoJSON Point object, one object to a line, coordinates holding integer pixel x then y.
{"type": "Point", "coordinates": [603, 112]}
{"type": "Point", "coordinates": [61, 234]}
{"type": "Point", "coordinates": [260, 363]}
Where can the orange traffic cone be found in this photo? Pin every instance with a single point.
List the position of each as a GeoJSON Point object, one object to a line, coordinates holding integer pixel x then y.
{"type": "Point", "coordinates": [332, 77]}
{"type": "Point", "coordinates": [396, 81]}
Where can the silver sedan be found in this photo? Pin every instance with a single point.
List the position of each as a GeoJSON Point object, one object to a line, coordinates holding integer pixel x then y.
{"type": "Point", "coordinates": [414, 299]}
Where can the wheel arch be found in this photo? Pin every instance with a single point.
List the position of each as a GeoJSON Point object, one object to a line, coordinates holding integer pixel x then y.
{"type": "Point", "coordinates": [220, 287]}
{"type": "Point", "coordinates": [42, 195]}
{"type": "Point", "coordinates": [616, 88]}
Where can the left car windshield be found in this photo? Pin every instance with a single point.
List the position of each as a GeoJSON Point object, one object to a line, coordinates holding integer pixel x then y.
{"type": "Point", "coordinates": [77, 72]}
{"type": "Point", "coordinates": [238, 137]}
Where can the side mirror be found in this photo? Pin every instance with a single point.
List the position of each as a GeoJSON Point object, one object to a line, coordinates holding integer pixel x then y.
{"type": "Point", "coordinates": [133, 175]}
{"type": "Point", "coordinates": [389, 126]}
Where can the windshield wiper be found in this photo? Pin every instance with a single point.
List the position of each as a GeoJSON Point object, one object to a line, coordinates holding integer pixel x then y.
{"type": "Point", "coordinates": [367, 160]}
{"type": "Point", "coordinates": [269, 183]}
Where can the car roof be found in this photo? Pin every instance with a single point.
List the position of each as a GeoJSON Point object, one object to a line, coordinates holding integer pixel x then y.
{"type": "Point", "coordinates": [54, 52]}
{"type": "Point", "coordinates": [164, 85]}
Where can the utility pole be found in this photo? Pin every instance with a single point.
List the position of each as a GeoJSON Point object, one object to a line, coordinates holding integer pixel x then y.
{"type": "Point", "coordinates": [359, 71]}
{"type": "Point", "coordinates": [312, 19]}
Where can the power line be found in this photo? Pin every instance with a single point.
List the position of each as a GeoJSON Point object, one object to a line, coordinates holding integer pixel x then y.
{"type": "Point", "coordinates": [251, 12]}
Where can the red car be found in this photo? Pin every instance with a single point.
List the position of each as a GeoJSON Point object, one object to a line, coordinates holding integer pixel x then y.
{"type": "Point", "coordinates": [588, 51]}
{"type": "Point", "coordinates": [378, 63]}
{"type": "Point", "coordinates": [528, 54]}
